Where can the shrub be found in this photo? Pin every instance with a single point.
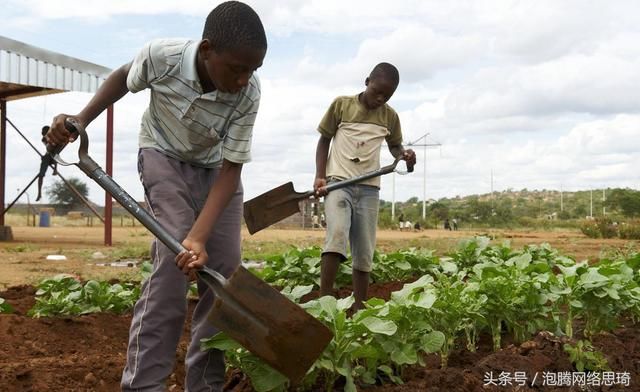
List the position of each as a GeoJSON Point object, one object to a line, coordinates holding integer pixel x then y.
{"type": "Point", "coordinates": [630, 230]}
{"type": "Point", "coordinates": [599, 228]}
{"type": "Point", "coordinates": [590, 229]}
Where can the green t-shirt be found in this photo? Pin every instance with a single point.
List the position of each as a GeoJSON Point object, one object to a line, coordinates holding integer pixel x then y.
{"type": "Point", "coordinates": [357, 134]}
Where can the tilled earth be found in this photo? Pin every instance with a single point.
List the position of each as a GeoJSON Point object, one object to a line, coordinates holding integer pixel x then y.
{"type": "Point", "coordinates": [87, 353]}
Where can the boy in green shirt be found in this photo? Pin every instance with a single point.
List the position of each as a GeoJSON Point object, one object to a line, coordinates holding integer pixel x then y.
{"type": "Point", "coordinates": [355, 127]}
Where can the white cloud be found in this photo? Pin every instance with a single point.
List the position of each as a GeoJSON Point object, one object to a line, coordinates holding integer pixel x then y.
{"type": "Point", "coordinates": [430, 53]}
{"type": "Point", "coordinates": [543, 93]}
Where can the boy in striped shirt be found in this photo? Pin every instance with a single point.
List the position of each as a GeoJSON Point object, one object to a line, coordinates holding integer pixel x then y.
{"type": "Point", "coordinates": [195, 136]}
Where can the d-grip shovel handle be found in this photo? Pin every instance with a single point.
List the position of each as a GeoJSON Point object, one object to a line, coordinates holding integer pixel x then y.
{"type": "Point", "coordinates": [213, 278]}
{"type": "Point", "coordinates": [383, 170]}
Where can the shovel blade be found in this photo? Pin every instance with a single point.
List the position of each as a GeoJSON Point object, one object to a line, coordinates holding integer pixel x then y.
{"type": "Point", "coordinates": [269, 325]}
{"type": "Point", "coordinates": [271, 207]}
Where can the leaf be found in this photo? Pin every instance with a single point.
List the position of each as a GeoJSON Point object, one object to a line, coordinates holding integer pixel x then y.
{"type": "Point", "coordinates": [521, 261]}
{"type": "Point", "coordinates": [299, 291]}
{"type": "Point", "coordinates": [448, 267]}
{"type": "Point", "coordinates": [613, 293]}
{"type": "Point", "coordinates": [264, 378]}
{"type": "Point", "coordinates": [349, 385]}
{"type": "Point", "coordinates": [426, 299]}
{"type": "Point", "coordinates": [405, 355]}
{"type": "Point", "coordinates": [403, 265]}
{"type": "Point", "coordinates": [592, 278]}
{"type": "Point", "coordinates": [433, 342]}
{"type": "Point", "coordinates": [325, 363]}
{"type": "Point", "coordinates": [377, 325]}
{"type": "Point", "coordinates": [344, 369]}
{"type": "Point", "coordinates": [366, 351]}
{"type": "Point", "coordinates": [402, 296]}
{"type": "Point", "coordinates": [5, 307]}
{"type": "Point", "coordinates": [328, 304]}
{"type": "Point", "coordinates": [345, 303]}
{"type": "Point", "coordinates": [219, 341]}
{"type": "Point", "coordinates": [385, 369]}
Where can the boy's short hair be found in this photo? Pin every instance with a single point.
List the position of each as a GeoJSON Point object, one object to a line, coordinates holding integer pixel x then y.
{"type": "Point", "coordinates": [385, 71]}
{"type": "Point", "coordinates": [233, 25]}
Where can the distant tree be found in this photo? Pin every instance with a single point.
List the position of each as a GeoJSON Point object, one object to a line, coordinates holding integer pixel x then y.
{"type": "Point", "coordinates": [564, 215]}
{"type": "Point", "coordinates": [580, 210]}
{"type": "Point", "coordinates": [625, 200]}
{"type": "Point", "coordinates": [439, 210]}
{"type": "Point", "coordinates": [59, 192]}
{"type": "Point", "coordinates": [412, 200]}
{"type": "Point", "coordinates": [503, 211]}
{"type": "Point", "coordinates": [477, 209]}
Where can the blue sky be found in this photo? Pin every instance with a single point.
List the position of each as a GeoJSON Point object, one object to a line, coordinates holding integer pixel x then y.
{"type": "Point", "coordinates": [543, 95]}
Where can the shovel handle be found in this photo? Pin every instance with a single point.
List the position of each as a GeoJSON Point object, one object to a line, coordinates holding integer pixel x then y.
{"type": "Point", "coordinates": [383, 170]}
{"type": "Point", "coordinates": [56, 149]}
{"type": "Point", "coordinates": [213, 278]}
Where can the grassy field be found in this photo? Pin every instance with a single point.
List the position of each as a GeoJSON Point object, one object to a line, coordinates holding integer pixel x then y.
{"type": "Point", "coordinates": [24, 260]}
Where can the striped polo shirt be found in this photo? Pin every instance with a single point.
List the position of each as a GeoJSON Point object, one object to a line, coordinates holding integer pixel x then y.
{"type": "Point", "coordinates": [357, 134]}
{"type": "Point", "coordinates": [181, 121]}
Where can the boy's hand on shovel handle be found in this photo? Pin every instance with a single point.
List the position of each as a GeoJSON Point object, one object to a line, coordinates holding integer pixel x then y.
{"type": "Point", "coordinates": [194, 258]}
{"type": "Point", "coordinates": [319, 187]}
{"type": "Point", "coordinates": [58, 133]}
{"type": "Point", "coordinates": [409, 157]}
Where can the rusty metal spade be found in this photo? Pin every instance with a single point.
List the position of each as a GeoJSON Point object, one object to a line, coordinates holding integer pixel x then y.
{"type": "Point", "coordinates": [247, 309]}
{"type": "Point", "coordinates": [281, 202]}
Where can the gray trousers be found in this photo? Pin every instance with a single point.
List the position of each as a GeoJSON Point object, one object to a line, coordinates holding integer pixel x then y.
{"type": "Point", "coordinates": [176, 192]}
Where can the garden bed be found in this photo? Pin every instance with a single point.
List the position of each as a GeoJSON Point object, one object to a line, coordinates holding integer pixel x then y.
{"type": "Point", "coordinates": [88, 353]}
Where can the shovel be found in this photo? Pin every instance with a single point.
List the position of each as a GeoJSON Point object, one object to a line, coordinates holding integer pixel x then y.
{"type": "Point", "coordinates": [281, 202]}
{"type": "Point", "coordinates": [256, 315]}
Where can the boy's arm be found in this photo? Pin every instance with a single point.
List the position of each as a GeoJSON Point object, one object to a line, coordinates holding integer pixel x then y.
{"type": "Point", "coordinates": [396, 150]}
{"type": "Point", "coordinates": [113, 88]}
{"type": "Point", "coordinates": [219, 196]}
{"type": "Point", "coordinates": [394, 141]}
{"type": "Point", "coordinates": [235, 151]}
{"type": "Point", "coordinates": [322, 151]}
{"type": "Point", "coordinates": [328, 127]}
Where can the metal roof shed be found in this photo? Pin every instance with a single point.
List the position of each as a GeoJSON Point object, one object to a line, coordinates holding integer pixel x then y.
{"type": "Point", "coordinates": [27, 71]}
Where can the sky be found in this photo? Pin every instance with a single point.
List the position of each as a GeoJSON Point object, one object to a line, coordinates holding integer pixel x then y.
{"type": "Point", "coordinates": [510, 94]}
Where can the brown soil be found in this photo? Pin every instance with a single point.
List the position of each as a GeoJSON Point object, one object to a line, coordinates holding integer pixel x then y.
{"type": "Point", "coordinates": [87, 353]}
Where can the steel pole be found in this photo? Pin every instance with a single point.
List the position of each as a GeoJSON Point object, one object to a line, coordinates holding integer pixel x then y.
{"type": "Point", "coordinates": [3, 152]}
{"type": "Point", "coordinates": [424, 185]}
{"type": "Point", "coordinates": [393, 198]}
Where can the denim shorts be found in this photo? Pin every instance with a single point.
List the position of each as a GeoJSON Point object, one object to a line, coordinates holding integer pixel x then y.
{"type": "Point", "coordinates": [352, 217]}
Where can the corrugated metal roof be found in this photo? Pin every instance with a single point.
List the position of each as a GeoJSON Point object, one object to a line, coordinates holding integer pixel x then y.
{"type": "Point", "coordinates": [27, 70]}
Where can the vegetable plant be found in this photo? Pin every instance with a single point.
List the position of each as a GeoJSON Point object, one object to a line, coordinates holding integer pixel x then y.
{"type": "Point", "coordinates": [457, 308]}
{"type": "Point", "coordinates": [5, 307]}
{"type": "Point", "coordinates": [65, 295]}
{"type": "Point", "coordinates": [585, 357]}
